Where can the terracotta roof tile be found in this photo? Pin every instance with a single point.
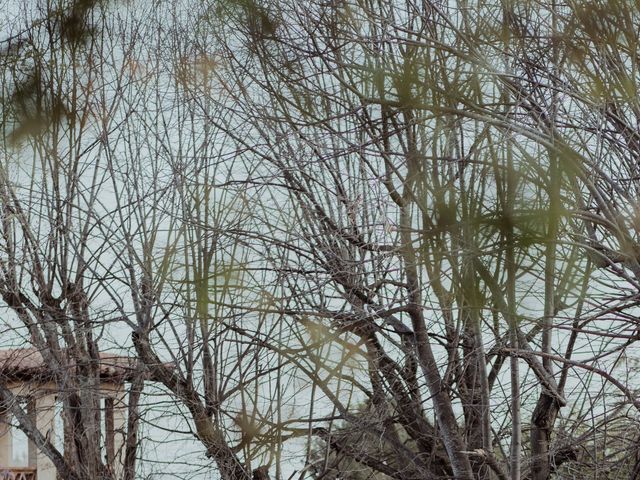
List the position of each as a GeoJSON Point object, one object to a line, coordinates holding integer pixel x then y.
{"type": "Point", "coordinates": [27, 363]}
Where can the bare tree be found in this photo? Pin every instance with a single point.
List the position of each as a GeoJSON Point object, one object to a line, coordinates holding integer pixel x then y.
{"type": "Point", "coordinates": [65, 78]}
{"type": "Point", "coordinates": [400, 237]}
{"type": "Point", "coordinates": [454, 203]}
{"type": "Point", "coordinates": [51, 183]}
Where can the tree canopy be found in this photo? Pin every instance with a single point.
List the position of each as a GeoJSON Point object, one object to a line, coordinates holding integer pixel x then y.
{"type": "Point", "coordinates": [398, 239]}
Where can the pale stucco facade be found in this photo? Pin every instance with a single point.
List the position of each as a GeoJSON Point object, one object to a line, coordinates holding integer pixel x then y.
{"type": "Point", "coordinates": [41, 406]}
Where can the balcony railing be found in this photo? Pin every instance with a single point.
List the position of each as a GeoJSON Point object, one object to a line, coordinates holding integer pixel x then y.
{"type": "Point", "coordinates": [17, 473]}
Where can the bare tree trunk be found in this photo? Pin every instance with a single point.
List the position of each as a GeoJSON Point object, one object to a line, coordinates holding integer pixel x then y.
{"type": "Point", "coordinates": [547, 407]}
{"type": "Point", "coordinates": [133, 421]}
{"type": "Point", "coordinates": [543, 419]}
{"type": "Point", "coordinates": [211, 437]}
{"type": "Point", "coordinates": [515, 452]}
{"type": "Point", "coordinates": [476, 387]}
{"type": "Point", "coordinates": [446, 419]}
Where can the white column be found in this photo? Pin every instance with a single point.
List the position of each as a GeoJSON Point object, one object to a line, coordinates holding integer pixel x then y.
{"type": "Point", "coordinates": [6, 440]}
{"type": "Point", "coordinates": [120, 430]}
{"type": "Point", "coordinates": [32, 451]}
{"type": "Point", "coordinates": [45, 422]}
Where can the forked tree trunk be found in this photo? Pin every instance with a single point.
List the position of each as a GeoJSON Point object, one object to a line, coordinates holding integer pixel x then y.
{"type": "Point", "coordinates": [542, 421]}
